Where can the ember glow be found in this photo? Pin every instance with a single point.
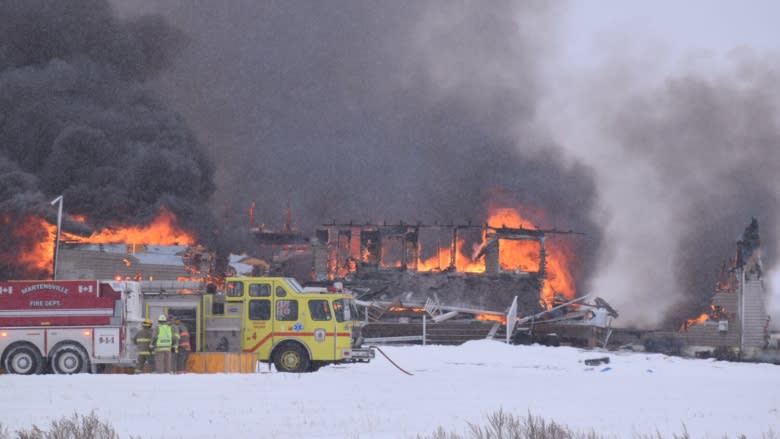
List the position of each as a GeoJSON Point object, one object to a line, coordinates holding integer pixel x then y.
{"type": "Point", "coordinates": [412, 309]}
{"type": "Point", "coordinates": [491, 318]}
{"type": "Point", "coordinates": [39, 253]}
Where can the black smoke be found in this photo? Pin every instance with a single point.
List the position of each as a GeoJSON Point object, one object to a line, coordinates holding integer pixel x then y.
{"type": "Point", "coordinates": [376, 111]}
{"type": "Point", "coordinates": [430, 110]}
{"type": "Point", "coordinates": [78, 119]}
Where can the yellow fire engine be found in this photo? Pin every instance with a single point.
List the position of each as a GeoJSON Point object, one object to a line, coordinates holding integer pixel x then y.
{"type": "Point", "coordinates": [273, 318]}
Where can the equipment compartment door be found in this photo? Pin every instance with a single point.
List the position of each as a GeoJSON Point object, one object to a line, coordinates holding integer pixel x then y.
{"type": "Point", "coordinates": [257, 327]}
{"type": "Point", "coordinates": [106, 343]}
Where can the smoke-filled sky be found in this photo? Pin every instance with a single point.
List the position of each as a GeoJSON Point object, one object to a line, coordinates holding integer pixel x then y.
{"type": "Point", "coordinates": [650, 128]}
{"type": "Point", "coordinates": [78, 119]}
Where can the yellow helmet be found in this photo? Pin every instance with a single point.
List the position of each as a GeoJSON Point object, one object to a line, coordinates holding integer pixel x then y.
{"type": "Point", "coordinates": [147, 322]}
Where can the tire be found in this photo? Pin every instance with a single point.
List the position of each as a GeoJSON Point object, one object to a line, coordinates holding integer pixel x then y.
{"type": "Point", "coordinates": [67, 359]}
{"type": "Point", "coordinates": [291, 357]}
{"type": "Point", "coordinates": [23, 360]}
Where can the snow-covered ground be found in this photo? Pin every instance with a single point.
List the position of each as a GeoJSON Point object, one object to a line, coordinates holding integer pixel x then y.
{"type": "Point", "coordinates": [635, 393]}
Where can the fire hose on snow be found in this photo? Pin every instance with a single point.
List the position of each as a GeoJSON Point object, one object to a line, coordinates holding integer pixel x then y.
{"type": "Point", "coordinates": [390, 360]}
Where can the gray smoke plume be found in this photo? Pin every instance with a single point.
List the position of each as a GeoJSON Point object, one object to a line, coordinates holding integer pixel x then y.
{"type": "Point", "coordinates": [376, 111]}
{"type": "Point", "coordinates": [77, 118]}
{"type": "Point", "coordinates": [685, 158]}
{"type": "Point", "coordinates": [714, 144]}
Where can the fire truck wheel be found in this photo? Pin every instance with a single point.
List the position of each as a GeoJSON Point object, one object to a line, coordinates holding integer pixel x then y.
{"type": "Point", "coordinates": [23, 360]}
{"type": "Point", "coordinates": [68, 359]}
{"type": "Point", "coordinates": [291, 357]}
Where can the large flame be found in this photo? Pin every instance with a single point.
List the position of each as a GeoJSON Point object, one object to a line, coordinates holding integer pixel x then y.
{"type": "Point", "coordinates": [525, 255]}
{"type": "Point", "coordinates": [442, 260]}
{"type": "Point", "coordinates": [161, 231]}
{"type": "Point", "coordinates": [35, 242]}
{"type": "Point", "coordinates": [514, 255]}
{"type": "Point", "coordinates": [38, 254]}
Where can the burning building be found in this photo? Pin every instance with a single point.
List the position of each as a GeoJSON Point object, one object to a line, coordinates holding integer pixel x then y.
{"type": "Point", "coordinates": [474, 266]}
{"type": "Point", "coordinates": [736, 322]}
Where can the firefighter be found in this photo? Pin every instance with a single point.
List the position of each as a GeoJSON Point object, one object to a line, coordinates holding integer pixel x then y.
{"type": "Point", "coordinates": [184, 347]}
{"type": "Point", "coordinates": [162, 342]}
{"type": "Point", "coordinates": [143, 343]}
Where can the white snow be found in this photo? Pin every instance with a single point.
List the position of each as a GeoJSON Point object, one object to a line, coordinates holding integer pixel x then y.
{"type": "Point", "coordinates": [636, 393]}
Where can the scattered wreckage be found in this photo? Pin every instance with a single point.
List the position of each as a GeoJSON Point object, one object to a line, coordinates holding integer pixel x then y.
{"type": "Point", "coordinates": [584, 321]}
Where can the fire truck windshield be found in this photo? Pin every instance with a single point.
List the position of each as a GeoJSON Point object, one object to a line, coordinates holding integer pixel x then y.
{"type": "Point", "coordinates": [345, 309]}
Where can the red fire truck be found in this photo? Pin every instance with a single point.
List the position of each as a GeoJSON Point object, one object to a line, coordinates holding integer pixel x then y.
{"type": "Point", "coordinates": [67, 326]}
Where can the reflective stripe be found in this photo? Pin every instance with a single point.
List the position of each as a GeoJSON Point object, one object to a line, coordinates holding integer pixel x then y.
{"type": "Point", "coordinates": [58, 312]}
{"type": "Point", "coordinates": [143, 340]}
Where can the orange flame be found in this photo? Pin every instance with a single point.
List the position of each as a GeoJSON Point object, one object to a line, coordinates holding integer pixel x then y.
{"type": "Point", "coordinates": [38, 243]}
{"type": "Point", "coordinates": [514, 255]}
{"type": "Point", "coordinates": [525, 256]}
{"type": "Point", "coordinates": [162, 231]}
{"type": "Point", "coordinates": [39, 256]}
{"type": "Point", "coordinates": [442, 260]}
{"type": "Point", "coordinates": [413, 309]}
{"type": "Point", "coordinates": [701, 319]}
{"type": "Point", "coordinates": [491, 318]}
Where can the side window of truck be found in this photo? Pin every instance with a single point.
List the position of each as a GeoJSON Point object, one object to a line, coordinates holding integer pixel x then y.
{"type": "Point", "coordinates": [287, 310]}
{"type": "Point", "coordinates": [260, 309]}
{"type": "Point", "coordinates": [338, 308]}
{"type": "Point", "coordinates": [259, 290]}
{"type": "Point", "coordinates": [319, 310]}
{"type": "Point", "coordinates": [235, 289]}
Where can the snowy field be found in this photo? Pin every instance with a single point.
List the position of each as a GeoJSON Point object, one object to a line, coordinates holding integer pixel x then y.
{"type": "Point", "coordinates": [452, 385]}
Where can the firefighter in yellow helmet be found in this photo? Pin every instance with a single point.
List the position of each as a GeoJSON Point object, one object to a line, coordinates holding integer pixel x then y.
{"type": "Point", "coordinates": [162, 343]}
{"type": "Point", "coordinates": [143, 342]}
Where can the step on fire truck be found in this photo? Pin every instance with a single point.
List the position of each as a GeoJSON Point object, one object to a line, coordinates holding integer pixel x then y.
{"type": "Point", "coordinates": [75, 326]}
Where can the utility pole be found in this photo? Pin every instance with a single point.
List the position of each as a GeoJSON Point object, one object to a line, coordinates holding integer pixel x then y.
{"type": "Point", "coordinates": [57, 239]}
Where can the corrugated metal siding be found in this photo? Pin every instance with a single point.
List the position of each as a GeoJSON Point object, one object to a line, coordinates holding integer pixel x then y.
{"type": "Point", "coordinates": [89, 264]}
{"type": "Point", "coordinates": [754, 314]}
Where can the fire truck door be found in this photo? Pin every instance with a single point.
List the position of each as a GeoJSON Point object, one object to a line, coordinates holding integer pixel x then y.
{"type": "Point", "coordinates": [257, 325]}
